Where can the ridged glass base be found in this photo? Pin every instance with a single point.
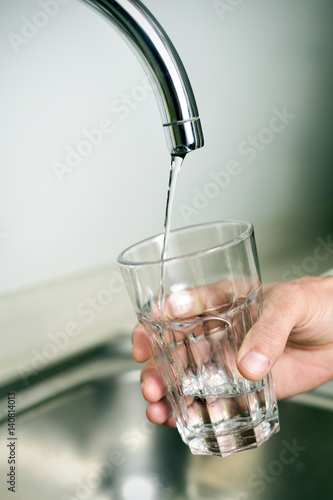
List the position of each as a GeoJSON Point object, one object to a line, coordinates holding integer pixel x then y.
{"type": "Point", "coordinates": [225, 425]}
{"type": "Point", "coordinates": [239, 440]}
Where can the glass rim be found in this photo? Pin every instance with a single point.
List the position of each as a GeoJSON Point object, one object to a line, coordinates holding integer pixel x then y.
{"type": "Point", "coordinates": [130, 263]}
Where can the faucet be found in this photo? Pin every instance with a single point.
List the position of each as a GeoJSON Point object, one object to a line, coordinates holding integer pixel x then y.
{"type": "Point", "coordinates": [172, 87]}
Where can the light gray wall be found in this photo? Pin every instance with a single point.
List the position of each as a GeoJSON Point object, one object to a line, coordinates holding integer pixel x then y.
{"type": "Point", "coordinates": [244, 62]}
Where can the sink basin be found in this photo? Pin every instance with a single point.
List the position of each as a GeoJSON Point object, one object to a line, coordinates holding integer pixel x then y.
{"type": "Point", "coordinates": [82, 434]}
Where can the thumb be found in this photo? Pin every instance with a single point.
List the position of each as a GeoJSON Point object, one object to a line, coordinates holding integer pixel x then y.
{"type": "Point", "coordinates": [283, 308]}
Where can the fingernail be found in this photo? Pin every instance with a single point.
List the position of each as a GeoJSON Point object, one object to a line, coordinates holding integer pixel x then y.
{"type": "Point", "coordinates": [255, 363]}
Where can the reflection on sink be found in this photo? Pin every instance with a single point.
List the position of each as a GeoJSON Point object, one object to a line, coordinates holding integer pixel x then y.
{"type": "Point", "coordinates": [83, 434]}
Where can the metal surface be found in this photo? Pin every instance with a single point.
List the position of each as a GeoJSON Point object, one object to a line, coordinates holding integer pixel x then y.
{"type": "Point", "coordinates": [83, 434]}
{"type": "Point", "coordinates": [178, 108]}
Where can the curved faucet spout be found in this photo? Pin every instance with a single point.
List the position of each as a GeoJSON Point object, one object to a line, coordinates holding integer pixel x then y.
{"type": "Point", "coordinates": [178, 108]}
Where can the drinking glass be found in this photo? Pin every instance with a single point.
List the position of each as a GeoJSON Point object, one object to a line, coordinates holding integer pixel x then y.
{"type": "Point", "coordinates": [196, 306]}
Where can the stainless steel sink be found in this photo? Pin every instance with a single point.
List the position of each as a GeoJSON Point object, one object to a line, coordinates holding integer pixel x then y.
{"type": "Point", "coordinates": [82, 434]}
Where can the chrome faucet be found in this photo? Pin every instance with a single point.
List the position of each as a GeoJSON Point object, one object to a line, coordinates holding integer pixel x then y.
{"type": "Point", "coordinates": [172, 87]}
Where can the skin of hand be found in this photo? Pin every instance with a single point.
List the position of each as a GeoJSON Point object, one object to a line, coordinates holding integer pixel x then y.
{"type": "Point", "coordinates": [293, 337]}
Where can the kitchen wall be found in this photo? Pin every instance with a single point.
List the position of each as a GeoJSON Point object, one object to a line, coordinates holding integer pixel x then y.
{"type": "Point", "coordinates": [262, 75]}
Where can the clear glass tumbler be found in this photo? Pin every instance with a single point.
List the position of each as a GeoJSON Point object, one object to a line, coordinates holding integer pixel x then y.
{"type": "Point", "coordinates": [196, 306]}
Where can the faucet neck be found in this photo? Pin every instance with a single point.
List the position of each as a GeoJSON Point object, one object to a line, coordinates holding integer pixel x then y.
{"type": "Point", "coordinates": [172, 87]}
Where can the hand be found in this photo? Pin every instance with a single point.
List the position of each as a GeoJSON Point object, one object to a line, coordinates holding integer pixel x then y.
{"type": "Point", "coordinates": [293, 337]}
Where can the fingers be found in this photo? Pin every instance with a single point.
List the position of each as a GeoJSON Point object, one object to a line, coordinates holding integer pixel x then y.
{"type": "Point", "coordinates": [191, 302]}
{"type": "Point", "coordinates": [160, 413]}
{"type": "Point", "coordinates": [260, 349]}
{"type": "Point", "coordinates": [188, 303]}
{"type": "Point", "coordinates": [141, 349]}
{"type": "Point", "coordinates": [283, 308]}
{"type": "Point", "coordinates": [153, 390]}
{"type": "Point", "coordinates": [152, 385]}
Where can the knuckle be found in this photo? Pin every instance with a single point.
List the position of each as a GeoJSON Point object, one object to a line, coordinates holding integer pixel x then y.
{"type": "Point", "coordinates": [287, 291]}
{"type": "Point", "coordinates": [286, 296]}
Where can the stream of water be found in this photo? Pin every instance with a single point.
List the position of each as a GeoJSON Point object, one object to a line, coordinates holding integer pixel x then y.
{"type": "Point", "coordinates": [176, 163]}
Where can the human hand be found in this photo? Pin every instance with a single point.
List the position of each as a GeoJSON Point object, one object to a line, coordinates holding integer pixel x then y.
{"type": "Point", "coordinates": [293, 337]}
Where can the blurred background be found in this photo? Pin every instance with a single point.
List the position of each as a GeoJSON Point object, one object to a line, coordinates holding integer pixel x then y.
{"type": "Point", "coordinates": [72, 198]}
